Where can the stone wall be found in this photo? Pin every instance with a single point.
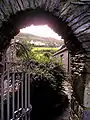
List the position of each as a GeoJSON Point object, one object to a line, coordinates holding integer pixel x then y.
{"type": "Point", "coordinates": [76, 110]}
{"type": "Point", "coordinates": [81, 89]}
{"type": "Point", "coordinates": [78, 73]}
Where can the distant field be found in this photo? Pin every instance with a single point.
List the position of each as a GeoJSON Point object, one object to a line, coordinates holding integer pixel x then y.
{"type": "Point", "coordinates": [43, 48]}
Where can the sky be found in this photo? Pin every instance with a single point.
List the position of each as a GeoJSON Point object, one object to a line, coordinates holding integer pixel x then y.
{"type": "Point", "coordinates": [41, 30]}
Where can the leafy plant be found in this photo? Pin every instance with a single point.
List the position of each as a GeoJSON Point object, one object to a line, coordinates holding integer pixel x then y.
{"type": "Point", "coordinates": [46, 75]}
{"type": "Point", "coordinates": [46, 88]}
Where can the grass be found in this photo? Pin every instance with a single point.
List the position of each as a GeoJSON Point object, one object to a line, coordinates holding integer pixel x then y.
{"type": "Point", "coordinates": [40, 52]}
{"type": "Point", "coordinates": [43, 48]}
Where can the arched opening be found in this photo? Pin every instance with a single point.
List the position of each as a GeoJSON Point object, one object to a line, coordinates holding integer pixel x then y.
{"type": "Point", "coordinates": [25, 18]}
{"type": "Point", "coordinates": [16, 65]}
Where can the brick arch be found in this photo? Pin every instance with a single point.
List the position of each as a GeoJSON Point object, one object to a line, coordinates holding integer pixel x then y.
{"type": "Point", "coordinates": [70, 19]}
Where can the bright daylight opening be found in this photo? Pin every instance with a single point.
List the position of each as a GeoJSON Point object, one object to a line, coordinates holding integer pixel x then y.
{"type": "Point", "coordinates": [37, 63]}
{"type": "Point", "coordinates": [41, 30]}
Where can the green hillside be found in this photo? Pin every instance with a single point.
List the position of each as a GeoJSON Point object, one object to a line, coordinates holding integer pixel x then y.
{"type": "Point", "coordinates": [47, 42]}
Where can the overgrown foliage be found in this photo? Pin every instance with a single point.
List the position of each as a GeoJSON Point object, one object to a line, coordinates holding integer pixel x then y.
{"type": "Point", "coordinates": [46, 89]}
{"type": "Point", "coordinates": [40, 54]}
{"type": "Point", "coordinates": [46, 75]}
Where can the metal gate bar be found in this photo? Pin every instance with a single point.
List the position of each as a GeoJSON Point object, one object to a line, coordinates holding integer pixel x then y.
{"type": "Point", "coordinates": [15, 87]}
{"type": "Point", "coordinates": [2, 96]}
{"type": "Point", "coordinates": [19, 109]}
{"type": "Point", "coordinates": [29, 95]}
{"type": "Point", "coordinates": [29, 90]}
{"type": "Point", "coordinates": [22, 91]}
{"type": "Point", "coordinates": [8, 99]}
{"type": "Point", "coordinates": [13, 95]}
{"type": "Point", "coordinates": [26, 93]}
{"type": "Point", "coordinates": [18, 97]}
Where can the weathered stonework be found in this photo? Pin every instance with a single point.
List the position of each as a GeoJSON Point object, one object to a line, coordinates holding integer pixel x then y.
{"type": "Point", "coordinates": [87, 84]}
{"type": "Point", "coordinates": [78, 76]}
{"type": "Point", "coordinates": [81, 87]}
{"type": "Point", "coordinates": [77, 69]}
{"type": "Point", "coordinates": [76, 111]}
{"type": "Point", "coordinates": [73, 26]}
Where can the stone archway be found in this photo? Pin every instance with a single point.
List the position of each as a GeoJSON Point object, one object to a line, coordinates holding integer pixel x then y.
{"type": "Point", "coordinates": [71, 19]}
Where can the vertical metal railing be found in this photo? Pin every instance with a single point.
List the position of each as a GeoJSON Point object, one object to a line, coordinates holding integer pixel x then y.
{"type": "Point", "coordinates": [29, 94]}
{"type": "Point", "coordinates": [2, 86]}
{"type": "Point", "coordinates": [18, 96]}
{"type": "Point", "coordinates": [26, 94]}
{"type": "Point", "coordinates": [22, 92]}
{"type": "Point", "coordinates": [13, 94]}
{"type": "Point", "coordinates": [17, 105]}
{"type": "Point", "coordinates": [2, 96]}
{"type": "Point", "coordinates": [15, 97]}
{"type": "Point", "coordinates": [15, 88]}
{"type": "Point", "coordinates": [28, 90]}
{"type": "Point", "coordinates": [8, 99]}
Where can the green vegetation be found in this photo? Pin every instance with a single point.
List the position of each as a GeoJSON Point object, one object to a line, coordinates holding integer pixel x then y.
{"type": "Point", "coordinates": [40, 54]}
{"type": "Point", "coordinates": [42, 64]}
{"type": "Point", "coordinates": [43, 48]}
{"type": "Point", "coordinates": [47, 98]}
{"type": "Point", "coordinates": [46, 77]}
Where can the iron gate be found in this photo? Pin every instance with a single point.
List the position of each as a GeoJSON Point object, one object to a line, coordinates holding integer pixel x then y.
{"type": "Point", "coordinates": [15, 86]}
